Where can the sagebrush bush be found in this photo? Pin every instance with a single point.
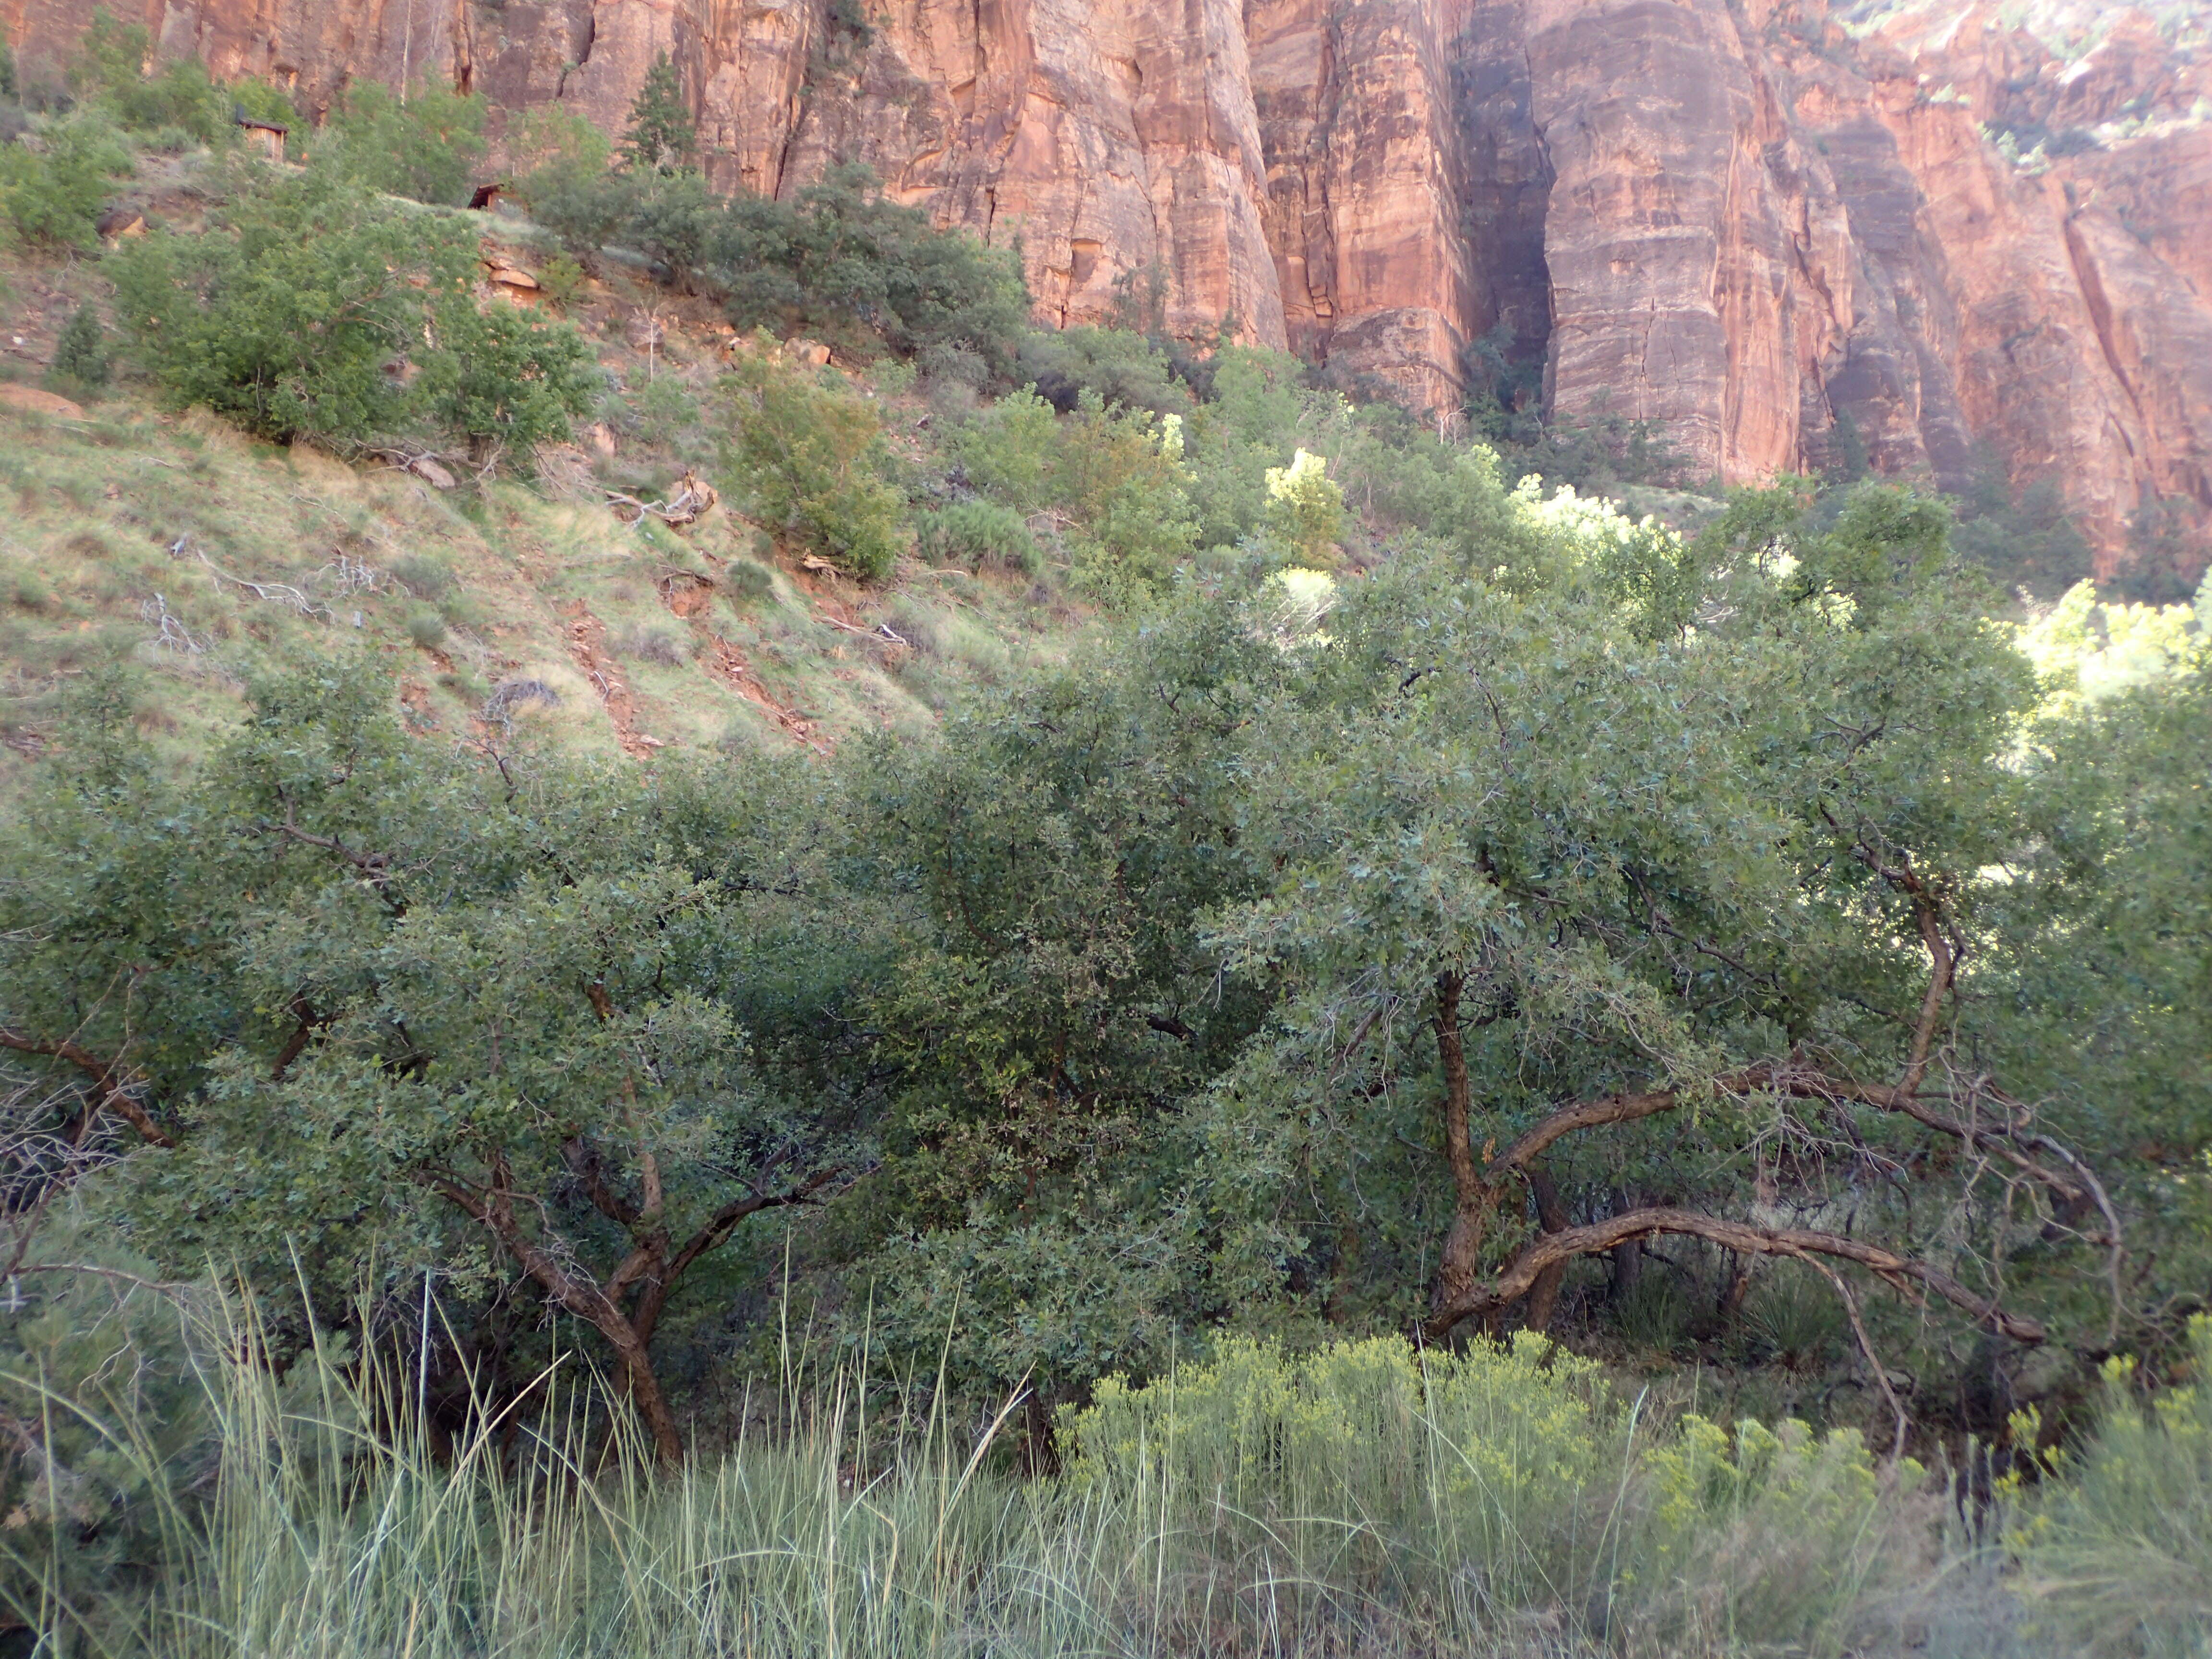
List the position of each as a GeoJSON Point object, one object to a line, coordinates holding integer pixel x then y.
{"type": "Point", "coordinates": [747, 582]}
{"type": "Point", "coordinates": [81, 353]}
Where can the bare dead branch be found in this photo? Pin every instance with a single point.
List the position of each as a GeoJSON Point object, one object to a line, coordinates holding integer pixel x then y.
{"type": "Point", "coordinates": [1866, 1346]}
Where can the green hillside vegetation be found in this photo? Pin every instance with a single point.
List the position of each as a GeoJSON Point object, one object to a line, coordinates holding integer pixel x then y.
{"type": "Point", "coordinates": [704, 950]}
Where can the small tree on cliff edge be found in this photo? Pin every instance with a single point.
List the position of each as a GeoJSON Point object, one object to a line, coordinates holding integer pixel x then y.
{"type": "Point", "coordinates": [661, 138]}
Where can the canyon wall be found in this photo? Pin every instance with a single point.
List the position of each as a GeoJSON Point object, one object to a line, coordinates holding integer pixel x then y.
{"type": "Point", "coordinates": [1931, 245]}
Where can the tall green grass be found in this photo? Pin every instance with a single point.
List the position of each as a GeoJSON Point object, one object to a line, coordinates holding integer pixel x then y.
{"type": "Point", "coordinates": [1366, 1500]}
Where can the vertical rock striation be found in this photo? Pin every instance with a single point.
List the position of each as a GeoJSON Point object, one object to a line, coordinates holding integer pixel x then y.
{"type": "Point", "coordinates": [1936, 244]}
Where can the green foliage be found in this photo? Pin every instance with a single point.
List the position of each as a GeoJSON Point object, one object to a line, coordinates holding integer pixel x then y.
{"type": "Point", "coordinates": [346, 1066]}
{"type": "Point", "coordinates": [979, 536]}
{"type": "Point", "coordinates": [111, 57]}
{"type": "Point", "coordinates": [837, 262]}
{"type": "Point", "coordinates": [54, 195]}
{"type": "Point", "coordinates": [180, 100]}
{"type": "Point", "coordinates": [501, 376]}
{"type": "Point", "coordinates": [2023, 538]}
{"type": "Point", "coordinates": [81, 353]}
{"type": "Point", "coordinates": [296, 313]}
{"type": "Point", "coordinates": [748, 582]}
{"type": "Point", "coordinates": [662, 137]}
{"type": "Point", "coordinates": [264, 100]}
{"type": "Point", "coordinates": [560, 280]}
{"type": "Point", "coordinates": [1118, 476]}
{"type": "Point", "coordinates": [1124, 370]}
{"type": "Point", "coordinates": [813, 456]}
{"type": "Point", "coordinates": [97, 1364]}
{"type": "Point", "coordinates": [1011, 451]}
{"type": "Point", "coordinates": [426, 145]}
{"type": "Point", "coordinates": [1599, 449]}
{"type": "Point", "coordinates": [1305, 508]}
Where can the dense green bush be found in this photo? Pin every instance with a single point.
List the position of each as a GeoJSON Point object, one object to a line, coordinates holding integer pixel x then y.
{"type": "Point", "coordinates": [310, 309]}
{"type": "Point", "coordinates": [1125, 370]}
{"type": "Point", "coordinates": [110, 72]}
{"type": "Point", "coordinates": [1116, 476]}
{"type": "Point", "coordinates": [813, 455]}
{"type": "Point", "coordinates": [53, 194]}
{"type": "Point", "coordinates": [980, 536]}
{"type": "Point", "coordinates": [837, 262]}
{"type": "Point", "coordinates": [497, 374]}
{"type": "Point", "coordinates": [426, 145]}
{"type": "Point", "coordinates": [81, 353]}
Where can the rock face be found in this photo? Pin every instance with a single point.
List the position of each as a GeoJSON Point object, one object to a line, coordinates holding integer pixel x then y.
{"type": "Point", "coordinates": [1936, 246]}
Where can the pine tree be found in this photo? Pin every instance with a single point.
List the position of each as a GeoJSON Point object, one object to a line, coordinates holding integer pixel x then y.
{"type": "Point", "coordinates": [80, 354]}
{"type": "Point", "coordinates": [661, 136]}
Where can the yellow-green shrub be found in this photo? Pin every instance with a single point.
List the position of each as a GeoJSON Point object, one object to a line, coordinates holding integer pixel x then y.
{"type": "Point", "coordinates": [1471, 1487]}
{"type": "Point", "coordinates": [2117, 1548]}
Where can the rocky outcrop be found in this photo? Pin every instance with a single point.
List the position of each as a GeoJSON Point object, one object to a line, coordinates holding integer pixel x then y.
{"type": "Point", "coordinates": [1940, 245]}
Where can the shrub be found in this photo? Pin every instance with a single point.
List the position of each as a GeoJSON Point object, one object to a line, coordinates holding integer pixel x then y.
{"type": "Point", "coordinates": [426, 146]}
{"type": "Point", "coordinates": [1126, 370]}
{"type": "Point", "coordinates": [654, 645]}
{"type": "Point", "coordinates": [979, 536]}
{"type": "Point", "coordinates": [839, 262]}
{"type": "Point", "coordinates": [80, 354]}
{"type": "Point", "coordinates": [424, 577]}
{"type": "Point", "coordinates": [1010, 451]}
{"type": "Point", "coordinates": [500, 375]}
{"type": "Point", "coordinates": [286, 315]}
{"type": "Point", "coordinates": [427, 629]}
{"type": "Point", "coordinates": [298, 313]}
{"type": "Point", "coordinates": [1432, 1484]}
{"type": "Point", "coordinates": [1121, 477]}
{"type": "Point", "coordinates": [2120, 1547]}
{"type": "Point", "coordinates": [1305, 509]}
{"type": "Point", "coordinates": [745, 582]}
{"type": "Point", "coordinates": [560, 280]}
{"type": "Point", "coordinates": [53, 198]}
{"type": "Point", "coordinates": [814, 460]}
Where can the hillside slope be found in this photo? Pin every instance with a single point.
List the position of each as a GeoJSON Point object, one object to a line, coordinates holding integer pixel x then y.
{"type": "Point", "coordinates": [174, 551]}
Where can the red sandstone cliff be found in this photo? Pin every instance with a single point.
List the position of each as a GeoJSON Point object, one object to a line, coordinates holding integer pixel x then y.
{"type": "Point", "coordinates": [1732, 216]}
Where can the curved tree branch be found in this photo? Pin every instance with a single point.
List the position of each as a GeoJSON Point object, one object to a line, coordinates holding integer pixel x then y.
{"type": "Point", "coordinates": [1516, 1279]}
{"type": "Point", "coordinates": [111, 1082]}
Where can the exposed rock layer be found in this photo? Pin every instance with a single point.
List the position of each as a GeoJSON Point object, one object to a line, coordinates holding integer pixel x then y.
{"type": "Point", "coordinates": [1787, 245]}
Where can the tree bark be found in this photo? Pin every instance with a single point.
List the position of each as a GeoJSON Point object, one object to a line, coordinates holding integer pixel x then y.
{"type": "Point", "coordinates": [1474, 1198]}
{"type": "Point", "coordinates": [1551, 1217]}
